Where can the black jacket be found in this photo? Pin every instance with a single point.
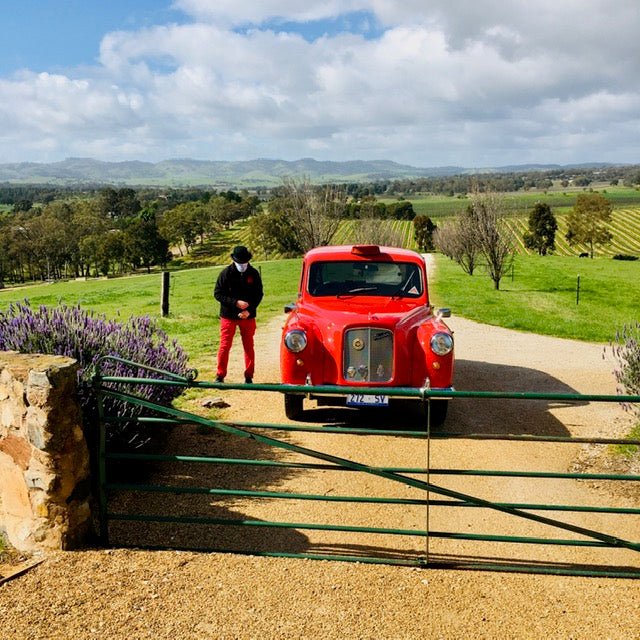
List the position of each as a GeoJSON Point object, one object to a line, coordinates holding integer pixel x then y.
{"type": "Point", "coordinates": [232, 286]}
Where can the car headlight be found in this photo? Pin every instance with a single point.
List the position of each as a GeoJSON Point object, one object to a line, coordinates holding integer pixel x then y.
{"type": "Point", "coordinates": [295, 340]}
{"type": "Point", "coordinates": [441, 344]}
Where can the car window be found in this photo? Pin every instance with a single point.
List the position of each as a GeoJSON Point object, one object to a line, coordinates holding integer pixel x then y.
{"type": "Point", "coordinates": [342, 278]}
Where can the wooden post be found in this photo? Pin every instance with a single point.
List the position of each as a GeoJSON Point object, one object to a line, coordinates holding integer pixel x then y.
{"type": "Point", "coordinates": [578, 291]}
{"type": "Point", "coordinates": [164, 295]}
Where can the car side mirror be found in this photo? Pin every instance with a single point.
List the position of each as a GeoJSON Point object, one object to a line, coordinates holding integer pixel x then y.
{"type": "Point", "coordinates": [288, 308]}
{"type": "Point", "coordinates": [445, 312]}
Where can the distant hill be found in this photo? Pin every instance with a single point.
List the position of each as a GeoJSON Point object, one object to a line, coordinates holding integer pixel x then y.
{"type": "Point", "coordinates": [228, 174]}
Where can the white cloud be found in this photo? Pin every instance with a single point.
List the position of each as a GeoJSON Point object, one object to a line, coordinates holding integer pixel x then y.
{"type": "Point", "coordinates": [496, 83]}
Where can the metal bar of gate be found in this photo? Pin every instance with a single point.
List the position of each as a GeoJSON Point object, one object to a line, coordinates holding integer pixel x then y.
{"type": "Point", "coordinates": [456, 498]}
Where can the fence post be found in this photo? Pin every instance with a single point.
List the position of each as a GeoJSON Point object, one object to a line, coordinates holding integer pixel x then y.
{"type": "Point", "coordinates": [578, 291]}
{"type": "Point", "coordinates": [164, 294]}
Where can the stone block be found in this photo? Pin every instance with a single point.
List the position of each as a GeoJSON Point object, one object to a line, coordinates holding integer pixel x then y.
{"type": "Point", "coordinates": [44, 460]}
{"type": "Point", "coordinates": [17, 449]}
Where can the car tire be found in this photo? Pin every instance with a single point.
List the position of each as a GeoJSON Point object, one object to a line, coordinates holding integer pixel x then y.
{"type": "Point", "coordinates": [293, 405]}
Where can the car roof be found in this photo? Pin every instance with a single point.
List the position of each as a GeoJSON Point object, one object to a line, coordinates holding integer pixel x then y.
{"type": "Point", "coordinates": [362, 252]}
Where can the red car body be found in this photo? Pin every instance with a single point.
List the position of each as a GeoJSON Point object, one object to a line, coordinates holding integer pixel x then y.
{"type": "Point", "coordinates": [363, 319]}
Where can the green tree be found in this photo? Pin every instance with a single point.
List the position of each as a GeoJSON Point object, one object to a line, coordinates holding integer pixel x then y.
{"type": "Point", "coordinates": [114, 250]}
{"type": "Point", "coordinates": [273, 233]}
{"type": "Point", "coordinates": [119, 204]}
{"type": "Point", "coordinates": [423, 228]}
{"type": "Point", "coordinates": [224, 211]}
{"type": "Point", "coordinates": [589, 220]}
{"type": "Point", "coordinates": [400, 210]}
{"type": "Point", "coordinates": [144, 245]}
{"type": "Point", "coordinates": [541, 236]}
{"type": "Point", "coordinates": [180, 225]}
{"type": "Point", "coordinates": [86, 221]}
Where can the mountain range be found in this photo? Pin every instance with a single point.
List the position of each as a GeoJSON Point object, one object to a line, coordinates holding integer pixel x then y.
{"type": "Point", "coordinates": [232, 174]}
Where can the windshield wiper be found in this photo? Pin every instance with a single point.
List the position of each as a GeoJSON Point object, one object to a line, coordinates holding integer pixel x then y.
{"type": "Point", "coordinates": [359, 289]}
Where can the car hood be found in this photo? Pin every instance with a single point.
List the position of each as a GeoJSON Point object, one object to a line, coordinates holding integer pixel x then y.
{"type": "Point", "coordinates": [358, 310]}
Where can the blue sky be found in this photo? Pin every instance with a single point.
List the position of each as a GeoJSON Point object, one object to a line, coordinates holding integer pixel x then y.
{"type": "Point", "coordinates": [45, 35]}
{"type": "Point", "coordinates": [473, 83]}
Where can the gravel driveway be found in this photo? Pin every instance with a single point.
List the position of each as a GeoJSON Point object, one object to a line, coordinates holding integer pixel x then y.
{"type": "Point", "coordinates": [177, 595]}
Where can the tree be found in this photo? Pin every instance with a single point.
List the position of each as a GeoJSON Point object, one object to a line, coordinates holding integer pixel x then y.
{"type": "Point", "coordinates": [119, 204]}
{"type": "Point", "coordinates": [224, 211]}
{"type": "Point", "coordinates": [182, 224]}
{"type": "Point", "coordinates": [589, 220]}
{"type": "Point", "coordinates": [400, 210]}
{"type": "Point", "coordinates": [541, 236]}
{"type": "Point", "coordinates": [485, 215]}
{"type": "Point", "coordinates": [86, 221]}
{"type": "Point", "coordinates": [423, 228]}
{"type": "Point", "coordinates": [314, 212]}
{"type": "Point", "coordinates": [456, 240]}
{"type": "Point", "coordinates": [144, 244]}
{"type": "Point", "coordinates": [23, 204]}
{"type": "Point", "coordinates": [273, 232]}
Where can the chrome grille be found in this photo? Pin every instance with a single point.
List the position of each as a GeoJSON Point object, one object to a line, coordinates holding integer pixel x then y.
{"type": "Point", "coordinates": [368, 355]}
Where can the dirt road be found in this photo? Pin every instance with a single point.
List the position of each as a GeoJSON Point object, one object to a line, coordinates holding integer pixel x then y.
{"type": "Point", "coordinates": [187, 595]}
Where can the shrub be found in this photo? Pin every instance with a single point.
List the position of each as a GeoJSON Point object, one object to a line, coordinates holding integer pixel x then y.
{"type": "Point", "coordinates": [624, 256]}
{"type": "Point", "coordinates": [86, 337]}
{"type": "Point", "coordinates": [626, 350]}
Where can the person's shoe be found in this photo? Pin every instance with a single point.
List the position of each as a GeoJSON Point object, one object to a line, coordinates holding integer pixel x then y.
{"type": "Point", "coordinates": [219, 378]}
{"type": "Point", "coordinates": [248, 380]}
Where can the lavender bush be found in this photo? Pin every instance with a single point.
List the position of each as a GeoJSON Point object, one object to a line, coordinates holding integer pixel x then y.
{"type": "Point", "coordinates": [86, 337]}
{"type": "Point", "coordinates": [626, 350]}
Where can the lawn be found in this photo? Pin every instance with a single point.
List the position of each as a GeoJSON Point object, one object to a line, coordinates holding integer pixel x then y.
{"type": "Point", "coordinates": [193, 312]}
{"type": "Point", "coordinates": [540, 295]}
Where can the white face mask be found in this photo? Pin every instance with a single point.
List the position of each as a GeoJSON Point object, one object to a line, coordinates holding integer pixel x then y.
{"type": "Point", "coordinates": [241, 267]}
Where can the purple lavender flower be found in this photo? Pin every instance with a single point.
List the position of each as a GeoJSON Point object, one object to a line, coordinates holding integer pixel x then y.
{"type": "Point", "coordinates": [87, 337]}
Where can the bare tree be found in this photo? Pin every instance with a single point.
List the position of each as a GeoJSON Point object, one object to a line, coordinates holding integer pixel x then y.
{"type": "Point", "coordinates": [314, 211]}
{"type": "Point", "coordinates": [478, 233]}
{"type": "Point", "coordinates": [456, 240]}
{"type": "Point", "coordinates": [485, 215]}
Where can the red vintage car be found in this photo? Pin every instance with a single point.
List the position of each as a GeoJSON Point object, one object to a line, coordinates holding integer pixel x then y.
{"type": "Point", "coordinates": [363, 319]}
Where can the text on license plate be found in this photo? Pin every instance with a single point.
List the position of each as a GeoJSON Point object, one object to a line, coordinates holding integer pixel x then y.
{"type": "Point", "coordinates": [360, 400]}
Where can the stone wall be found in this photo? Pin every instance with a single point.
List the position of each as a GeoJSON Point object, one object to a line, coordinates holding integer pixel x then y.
{"type": "Point", "coordinates": [44, 459]}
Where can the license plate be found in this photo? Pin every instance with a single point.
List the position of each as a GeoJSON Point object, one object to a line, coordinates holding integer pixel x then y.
{"type": "Point", "coordinates": [361, 400]}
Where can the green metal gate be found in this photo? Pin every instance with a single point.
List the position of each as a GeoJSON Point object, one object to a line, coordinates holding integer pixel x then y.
{"type": "Point", "coordinates": [168, 494]}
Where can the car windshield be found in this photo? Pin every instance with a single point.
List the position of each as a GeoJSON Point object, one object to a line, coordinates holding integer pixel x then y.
{"type": "Point", "coordinates": [346, 278]}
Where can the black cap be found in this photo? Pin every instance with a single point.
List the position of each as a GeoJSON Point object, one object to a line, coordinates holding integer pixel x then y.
{"type": "Point", "coordinates": [241, 254]}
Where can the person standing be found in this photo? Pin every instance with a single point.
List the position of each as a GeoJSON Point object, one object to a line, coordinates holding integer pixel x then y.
{"type": "Point", "coordinates": [239, 291]}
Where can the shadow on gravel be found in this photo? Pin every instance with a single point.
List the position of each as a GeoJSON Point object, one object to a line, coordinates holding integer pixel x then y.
{"type": "Point", "coordinates": [506, 416]}
{"type": "Point", "coordinates": [469, 415]}
{"type": "Point", "coordinates": [201, 477]}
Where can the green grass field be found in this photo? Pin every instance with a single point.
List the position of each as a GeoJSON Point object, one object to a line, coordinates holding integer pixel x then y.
{"type": "Point", "coordinates": [192, 319]}
{"type": "Point", "coordinates": [540, 295]}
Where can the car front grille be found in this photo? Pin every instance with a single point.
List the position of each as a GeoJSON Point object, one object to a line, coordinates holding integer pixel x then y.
{"type": "Point", "coordinates": [368, 355]}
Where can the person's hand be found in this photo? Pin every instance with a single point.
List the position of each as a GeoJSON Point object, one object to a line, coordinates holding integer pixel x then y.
{"type": "Point", "coordinates": [241, 304]}
{"type": "Point", "coordinates": [243, 315]}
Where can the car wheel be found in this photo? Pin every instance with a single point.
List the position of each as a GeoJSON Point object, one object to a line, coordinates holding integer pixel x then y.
{"type": "Point", "coordinates": [293, 405]}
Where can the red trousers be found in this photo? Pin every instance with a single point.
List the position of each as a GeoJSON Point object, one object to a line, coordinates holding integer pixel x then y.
{"type": "Point", "coordinates": [227, 331]}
